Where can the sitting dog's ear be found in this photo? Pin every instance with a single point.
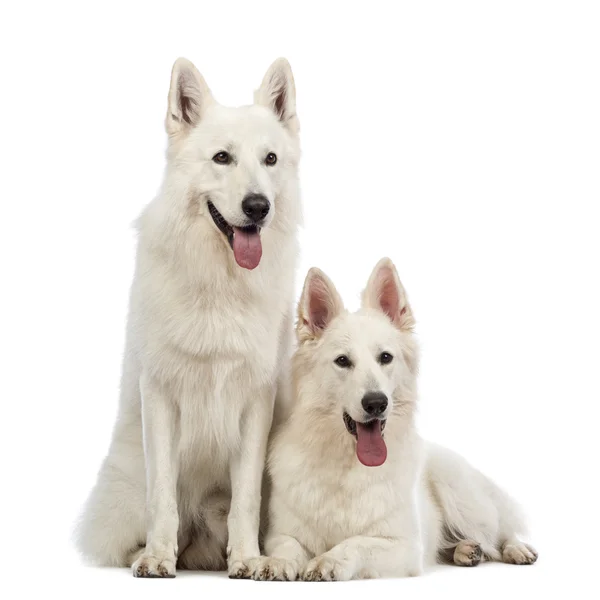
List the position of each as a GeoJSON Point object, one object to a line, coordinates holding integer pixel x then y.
{"type": "Point", "coordinates": [319, 304]}
{"type": "Point", "coordinates": [278, 93]}
{"type": "Point", "coordinates": [385, 292]}
{"type": "Point", "coordinates": [188, 97]}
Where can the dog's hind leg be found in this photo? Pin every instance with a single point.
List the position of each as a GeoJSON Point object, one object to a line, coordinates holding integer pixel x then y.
{"type": "Point", "coordinates": [467, 554]}
{"type": "Point", "coordinates": [112, 528]}
{"type": "Point", "coordinates": [516, 552]}
{"type": "Point", "coordinates": [475, 512]}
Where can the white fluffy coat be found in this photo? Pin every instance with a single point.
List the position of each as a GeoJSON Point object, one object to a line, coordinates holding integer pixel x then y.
{"type": "Point", "coordinates": [206, 341]}
{"type": "Point", "coordinates": [331, 517]}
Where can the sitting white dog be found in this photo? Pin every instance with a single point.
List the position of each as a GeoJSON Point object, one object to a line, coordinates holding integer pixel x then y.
{"type": "Point", "coordinates": [332, 515]}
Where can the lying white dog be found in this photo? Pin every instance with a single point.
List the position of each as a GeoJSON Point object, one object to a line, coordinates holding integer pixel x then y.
{"type": "Point", "coordinates": [209, 329]}
{"type": "Point", "coordinates": [356, 493]}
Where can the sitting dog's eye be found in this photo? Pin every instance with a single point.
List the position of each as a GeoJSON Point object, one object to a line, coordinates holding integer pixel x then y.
{"type": "Point", "coordinates": [222, 158]}
{"type": "Point", "coordinates": [271, 159]}
{"type": "Point", "coordinates": [385, 358]}
{"type": "Point", "coordinates": [343, 361]}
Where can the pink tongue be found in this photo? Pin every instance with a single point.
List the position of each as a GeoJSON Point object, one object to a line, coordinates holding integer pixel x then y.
{"type": "Point", "coordinates": [370, 448]}
{"type": "Point", "coordinates": [247, 248]}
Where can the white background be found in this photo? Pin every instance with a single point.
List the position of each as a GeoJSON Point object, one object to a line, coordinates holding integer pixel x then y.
{"type": "Point", "coordinates": [462, 139]}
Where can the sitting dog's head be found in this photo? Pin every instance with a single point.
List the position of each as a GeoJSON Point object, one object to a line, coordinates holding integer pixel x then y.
{"type": "Point", "coordinates": [357, 369]}
{"type": "Point", "coordinates": [236, 164]}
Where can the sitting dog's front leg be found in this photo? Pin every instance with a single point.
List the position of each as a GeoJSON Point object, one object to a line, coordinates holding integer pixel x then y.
{"type": "Point", "coordinates": [246, 470]}
{"type": "Point", "coordinates": [159, 426]}
{"type": "Point", "coordinates": [364, 557]}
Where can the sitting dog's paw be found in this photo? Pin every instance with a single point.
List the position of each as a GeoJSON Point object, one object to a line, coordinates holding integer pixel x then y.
{"type": "Point", "coordinates": [275, 569]}
{"type": "Point", "coordinates": [325, 568]}
{"type": "Point", "coordinates": [242, 569]}
{"type": "Point", "coordinates": [150, 565]}
{"type": "Point", "coordinates": [519, 554]}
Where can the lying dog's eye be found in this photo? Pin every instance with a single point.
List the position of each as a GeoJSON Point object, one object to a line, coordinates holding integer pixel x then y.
{"type": "Point", "coordinates": [222, 158]}
{"type": "Point", "coordinates": [385, 358]}
{"type": "Point", "coordinates": [271, 159]}
{"type": "Point", "coordinates": [343, 361]}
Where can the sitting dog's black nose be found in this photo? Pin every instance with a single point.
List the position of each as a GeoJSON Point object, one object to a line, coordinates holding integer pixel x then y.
{"type": "Point", "coordinates": [256, 207]}
{"type": "Point", "coordinates": [374, 403]}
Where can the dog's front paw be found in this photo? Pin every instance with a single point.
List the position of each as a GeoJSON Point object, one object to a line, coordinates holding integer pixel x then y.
{"type": "Point", "coordinates": [242, 568]}
{"type": "Point", "coordinates": [326, 568]}
{"type": "Point", "coordinates": [275, 569]}
{"type": "Point", "coordinates": [150, 565]}
{"type": "Point", "coordinates": [519, 554]}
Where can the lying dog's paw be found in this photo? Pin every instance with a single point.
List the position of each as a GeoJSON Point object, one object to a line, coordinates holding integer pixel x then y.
{"type": "Point", "coordinates": [242, 569]}
{"type": "Point", "coordinates": [275, 569]}
{"type": "Point", "coordinates": [150, 565]}
{"type": "Point", "coordinates": [519, 554]}
{"type": "Point", "coordinates": [467, 554]}
{"type": "Point", "coordinates": [326, 568]}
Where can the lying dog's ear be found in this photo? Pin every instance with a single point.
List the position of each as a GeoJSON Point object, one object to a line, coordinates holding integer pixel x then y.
{"type": "Point", "coordinates": [188, 97]}
{"type": "Point", "coordinates": [319, 304]}
{"type": "Point", "coordinates": [385, 292]}
{"type": "Point", "coordinates": [278, 93]}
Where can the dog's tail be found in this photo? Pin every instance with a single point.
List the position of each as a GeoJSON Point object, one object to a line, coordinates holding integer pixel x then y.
{"type": "Point", "coordinates": [472, 507]}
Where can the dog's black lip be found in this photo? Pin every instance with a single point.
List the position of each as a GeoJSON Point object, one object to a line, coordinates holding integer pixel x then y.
{"type": "Point", "coordinates": [350, 424]}
{"type": "Point", "coordinates": [224, 227]}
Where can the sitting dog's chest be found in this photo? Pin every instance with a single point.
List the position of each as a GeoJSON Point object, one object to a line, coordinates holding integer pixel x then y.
{"type": "Point", "coordinates": [218, 342]}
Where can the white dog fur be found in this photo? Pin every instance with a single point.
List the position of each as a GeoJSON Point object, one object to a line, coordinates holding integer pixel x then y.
{"type": "Point", "coordinates": [206, 340]}
{"type": "Point", "coordinates": [331, 517]}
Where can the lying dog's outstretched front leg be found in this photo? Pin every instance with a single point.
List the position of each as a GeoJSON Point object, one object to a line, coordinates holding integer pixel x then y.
{"type": "Point", "coordinates": [159, 426]}
{"type": "Point", "coordinates": [246, 470]}
{"type": "Point", "coordinates": [286, 559]}
{"type": "Point", "coordinates": [364, 557]}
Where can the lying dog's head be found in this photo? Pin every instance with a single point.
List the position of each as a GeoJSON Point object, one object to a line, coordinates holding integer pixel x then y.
{"type": "Point", "coordinates": [234, 163]}
{"type": "Point", "coordinates": [357, 369]}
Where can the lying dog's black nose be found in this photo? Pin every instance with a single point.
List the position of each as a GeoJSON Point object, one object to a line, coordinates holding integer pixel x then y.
{"type": "Point", "coordinates": [374, 403]}
{"type": "Point", "coordinates": [256, 207]}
